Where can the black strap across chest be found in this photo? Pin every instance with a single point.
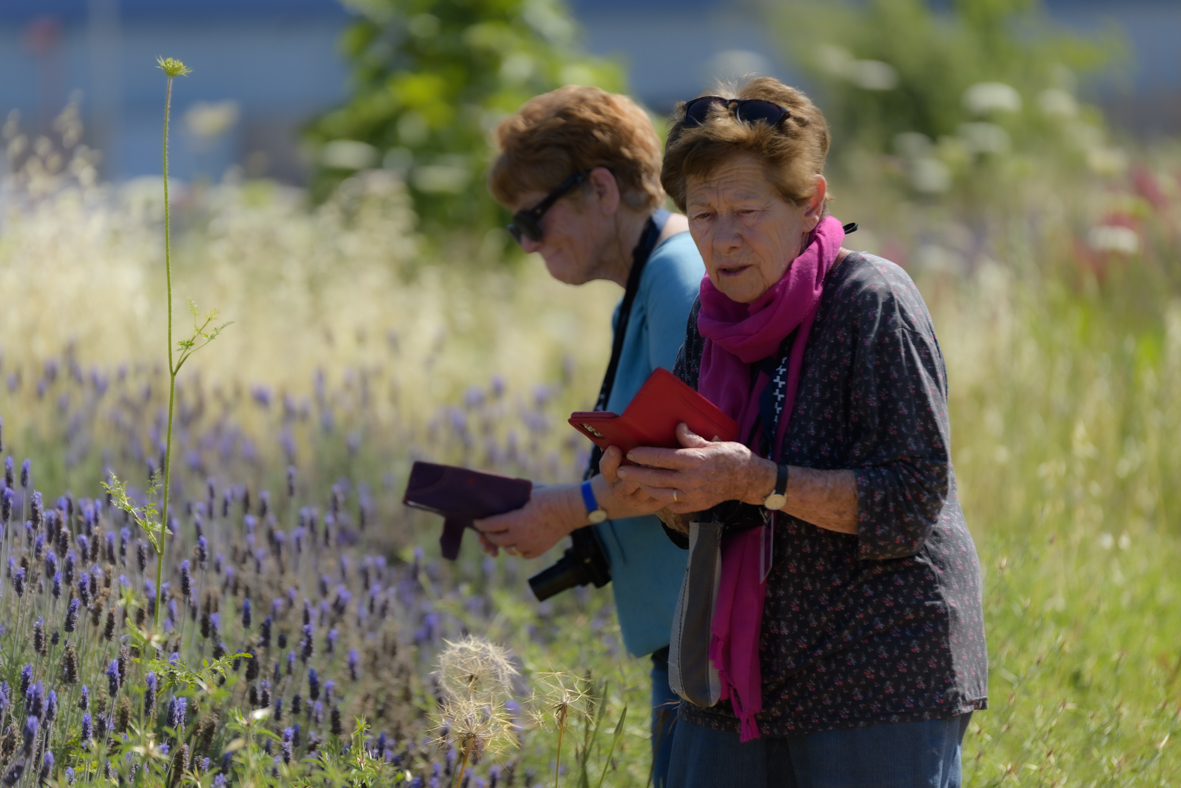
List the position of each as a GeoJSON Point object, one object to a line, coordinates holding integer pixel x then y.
{"type": "Point", "coordinates": [640, 254]}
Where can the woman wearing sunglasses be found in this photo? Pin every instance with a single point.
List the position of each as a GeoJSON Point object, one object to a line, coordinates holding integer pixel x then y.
{"type": "Point", "coordinates": [845, 634]}
{"type": "Point", "coordinates": [580, 169]}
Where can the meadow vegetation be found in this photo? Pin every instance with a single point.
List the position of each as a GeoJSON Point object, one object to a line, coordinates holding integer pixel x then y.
{"type": "Point", "coordinates": [311, 633]}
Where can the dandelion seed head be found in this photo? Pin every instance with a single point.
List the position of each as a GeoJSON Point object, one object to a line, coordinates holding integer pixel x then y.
{"type": "Point", "coordinates": [474, 668]}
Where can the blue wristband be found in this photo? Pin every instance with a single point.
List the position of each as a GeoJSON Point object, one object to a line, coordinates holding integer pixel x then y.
{"type": "Point", "coordinates": [594, 512]}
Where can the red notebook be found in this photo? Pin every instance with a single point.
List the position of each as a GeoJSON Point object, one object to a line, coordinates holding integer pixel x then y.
{"type": "Point", "coordinates": [651, 418]}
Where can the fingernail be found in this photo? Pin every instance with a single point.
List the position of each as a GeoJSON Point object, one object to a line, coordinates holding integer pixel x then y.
{"type": "Point", "coordinates": [622, 473]}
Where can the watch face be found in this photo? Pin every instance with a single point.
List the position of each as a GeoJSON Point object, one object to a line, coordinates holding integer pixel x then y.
{"type": "Point", "coordinates": [597, 516]}
{"type": "Point", "coordinates": [774, 501]}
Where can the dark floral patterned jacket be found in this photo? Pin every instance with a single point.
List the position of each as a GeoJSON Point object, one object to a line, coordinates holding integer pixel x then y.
{"type": "Point", "coordinates": [886, 625]}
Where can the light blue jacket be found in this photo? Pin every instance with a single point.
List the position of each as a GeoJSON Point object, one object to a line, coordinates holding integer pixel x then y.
{"type": "Point", "coordinates": [646, 568]}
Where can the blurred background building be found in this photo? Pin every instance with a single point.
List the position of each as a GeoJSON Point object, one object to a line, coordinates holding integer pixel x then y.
{"type": "Point", "coordinates": [264, 68]}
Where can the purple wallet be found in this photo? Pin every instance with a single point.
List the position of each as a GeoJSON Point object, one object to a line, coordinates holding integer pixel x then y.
{"type": "Point", "coordinates": [462, 495]}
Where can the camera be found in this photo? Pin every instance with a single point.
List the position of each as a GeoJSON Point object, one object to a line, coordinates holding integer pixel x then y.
{"type": "Point", "coordinates": [585, 561]}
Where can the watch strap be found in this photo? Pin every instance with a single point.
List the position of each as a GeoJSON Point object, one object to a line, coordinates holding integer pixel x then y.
{"type": "Point", "coordinates": [594, 512]}
{"type": "Point", "coordinates": [778, 496]}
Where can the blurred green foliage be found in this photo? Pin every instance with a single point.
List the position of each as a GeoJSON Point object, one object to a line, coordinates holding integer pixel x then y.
{"type": "Point", "coordinates": [953, 92]}
{"type": "Point", "coordinates": [431, 79]}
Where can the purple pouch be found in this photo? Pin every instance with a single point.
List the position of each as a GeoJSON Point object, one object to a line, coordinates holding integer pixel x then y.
{"type": "Point", "coordinates": [462, 495]}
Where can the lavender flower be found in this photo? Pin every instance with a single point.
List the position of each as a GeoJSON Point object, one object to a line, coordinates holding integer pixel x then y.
{"type": "Point", "coordinates": [26, 466]}
{"type": "Point", "coordinates": [246, 613]}
{"type": "Point", "coordinates": [15, 772]}
{"type": "Point", "coordinates": [202, 551]}
{"type": "Point", "coordinates": [330, 641]}
{"type": "Point", "coordinates": [313, 684]}
{"type": "Point", "coordinates": [31, 729]}
{"type": "Point", "coordinates": [84, 698]}
{"type": "Point", "coordinates": [51, 706]}
{"type": "Point", "coordinates": [113, 678]}
{"type": "Point", "coordinates": [287, 748]}
{"type": "Point", "coordinates": [35, 700]}
{"type": "Point", "coordinates": [186, 580]}
{"type": "Point", "coordinates": [87, 727]}
{"type": "Point", "coordinates": [57, 584]}
{"type": "Point", "coordinates": [39, 643]}
{"type": "Point", "coordinates": [18, 581]}
{"type": "Point", "coordinates": [354, 664]}
{"type": "Point", "coordinates": [7, 501]}
{"type": "Point", "coordinates": [177, 708]}
{"type": "Point", "coordinates": [306, 645]}
{"type": "Point", "coordinates": [150, 696]}
{"type": "Point", "coordinates": [37, 509]}
{"type": "Point", "coordinates": [9, 476]}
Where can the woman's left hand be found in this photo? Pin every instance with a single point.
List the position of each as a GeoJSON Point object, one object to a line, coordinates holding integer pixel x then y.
{"type": "Point", "coordinates": [700, 475]}
{"type": "Point", "coordinates": [550, 515]}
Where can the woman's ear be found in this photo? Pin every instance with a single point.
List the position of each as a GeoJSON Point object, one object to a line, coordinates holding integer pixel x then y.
{"type": "Point", "coordinates": [814, 208]}
{"type": "Point", "coordinates": [606, 189]}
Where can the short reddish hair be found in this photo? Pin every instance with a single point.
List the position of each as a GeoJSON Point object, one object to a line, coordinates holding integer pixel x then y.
{"type": "Point", "coordinates": [575, 129]}
{"type": "Point", "coordinates": [793, 152]}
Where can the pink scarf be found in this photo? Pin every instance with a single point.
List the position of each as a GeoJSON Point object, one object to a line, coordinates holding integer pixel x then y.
{"type": "Point", "coordinates": [737, 335]}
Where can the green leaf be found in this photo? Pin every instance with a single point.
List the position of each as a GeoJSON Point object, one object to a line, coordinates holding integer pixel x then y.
{"type": "Point", "coordinates": [614, 742]}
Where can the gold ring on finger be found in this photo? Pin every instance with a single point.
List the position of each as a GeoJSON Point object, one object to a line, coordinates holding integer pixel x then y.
{"type": "Point", "coordinates": [675, 496]}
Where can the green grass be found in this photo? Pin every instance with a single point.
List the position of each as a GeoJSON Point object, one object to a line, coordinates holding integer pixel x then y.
{"type": "Point", "coordinates": [1064, 402]}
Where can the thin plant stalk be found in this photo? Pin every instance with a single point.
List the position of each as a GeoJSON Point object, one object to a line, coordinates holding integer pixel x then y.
{"type": "Point", "coordinates": [558, 758]}
{"type": "Point", "coordinates": [171, 362]}
{"type": "Point", "coordinates": [202, 335]}
{"type": "Point", "coordinates": [467, 751]}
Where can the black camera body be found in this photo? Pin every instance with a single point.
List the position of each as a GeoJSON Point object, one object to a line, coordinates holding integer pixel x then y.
{"type": "Point", "coordinates": [584, 562]}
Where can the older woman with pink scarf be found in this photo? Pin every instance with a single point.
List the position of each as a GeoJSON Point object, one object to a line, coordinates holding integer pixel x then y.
{"type": "Point", "coordinates": [846, 643]}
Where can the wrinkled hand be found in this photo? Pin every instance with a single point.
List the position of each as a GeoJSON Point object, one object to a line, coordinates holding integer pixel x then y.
{"type": "Point", "coordinates": [700, 475]}
{"type": "Point", "coordinates": [625, 493]}
{"type": "Point", "coordinates": [531, 530]}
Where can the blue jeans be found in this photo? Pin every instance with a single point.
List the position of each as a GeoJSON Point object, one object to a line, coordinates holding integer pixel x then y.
{"type": "Point", "coordinates": [922, 754]}
{"type": "Point", "coordinates": [665, 703]}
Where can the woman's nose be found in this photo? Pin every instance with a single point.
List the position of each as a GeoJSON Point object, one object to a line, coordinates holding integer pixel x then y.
{"type": "Point", "coordinates": [726, 234]}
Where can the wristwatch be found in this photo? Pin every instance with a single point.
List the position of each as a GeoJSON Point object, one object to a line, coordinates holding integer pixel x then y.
{"type": "Point", "coordinates": [594, 513]}
{"type": "Point", "coordinates": [778, 497]}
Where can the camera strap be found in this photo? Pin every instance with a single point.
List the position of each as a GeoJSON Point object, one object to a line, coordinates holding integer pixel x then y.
{"type": "Point", "coordinates": [640, 254]}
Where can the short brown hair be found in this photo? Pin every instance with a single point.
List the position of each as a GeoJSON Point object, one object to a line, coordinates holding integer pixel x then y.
{"type": "Point", "coordinates": [575, 129]}
{"type": "Point", "coordinates": [793, 151]}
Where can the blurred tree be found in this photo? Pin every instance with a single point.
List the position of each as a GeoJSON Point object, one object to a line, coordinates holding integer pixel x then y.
{"type": "Point", "coordinates": [431, 78]}
{"type": "Point", "coordinates": [949, 87]}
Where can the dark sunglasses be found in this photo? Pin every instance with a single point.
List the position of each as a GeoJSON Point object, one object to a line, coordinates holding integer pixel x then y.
{"type": "Point", "coordinates": [527, 224]}
{"type": "Point", "coordinates": [745, 110]}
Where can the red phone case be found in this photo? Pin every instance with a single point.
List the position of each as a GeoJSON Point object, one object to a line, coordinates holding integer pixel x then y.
{"type": "Point", "coordinates": [651, 418]}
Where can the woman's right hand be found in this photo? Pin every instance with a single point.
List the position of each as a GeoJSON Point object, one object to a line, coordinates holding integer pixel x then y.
{"type": "Point", "coordinates": [627, 498]}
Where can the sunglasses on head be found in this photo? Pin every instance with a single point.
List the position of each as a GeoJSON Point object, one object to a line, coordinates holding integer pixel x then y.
{"type": "Point", "coordinates": [527, 224]}
{"type": "Point", "coordinates": [745, 110]}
